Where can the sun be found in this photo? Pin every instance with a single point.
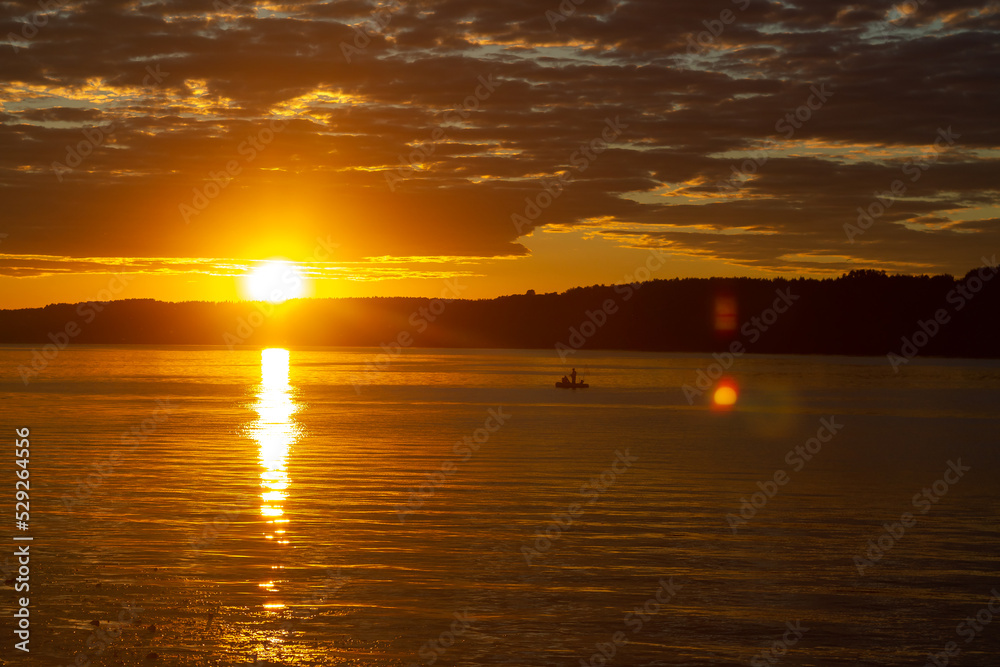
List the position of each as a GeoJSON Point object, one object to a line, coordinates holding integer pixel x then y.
{"type": "Point", "coordinates": [274, 280]}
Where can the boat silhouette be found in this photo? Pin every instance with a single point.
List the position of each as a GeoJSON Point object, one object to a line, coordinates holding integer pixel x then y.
{"type": "Point", "coordinates": [569, 382]}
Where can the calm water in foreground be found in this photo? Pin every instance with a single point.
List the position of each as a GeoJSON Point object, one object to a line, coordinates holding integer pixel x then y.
{"type": "Point", "coordinates": [222, 507]}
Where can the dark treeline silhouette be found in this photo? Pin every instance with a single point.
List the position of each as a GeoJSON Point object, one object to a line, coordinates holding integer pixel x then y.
{"type": "Point", "coordinates": [861, 313]}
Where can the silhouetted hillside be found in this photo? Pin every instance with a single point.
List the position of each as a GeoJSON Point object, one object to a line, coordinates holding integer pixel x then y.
{"type": "Point", "coordinates": [862, 313]}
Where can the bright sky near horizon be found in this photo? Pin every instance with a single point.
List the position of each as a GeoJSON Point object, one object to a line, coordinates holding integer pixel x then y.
{"type": "Point", "coordinates": [387, 148]}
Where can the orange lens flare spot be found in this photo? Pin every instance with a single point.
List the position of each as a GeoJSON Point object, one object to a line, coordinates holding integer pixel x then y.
{"type": "Point", "coordinates": [725, 396]}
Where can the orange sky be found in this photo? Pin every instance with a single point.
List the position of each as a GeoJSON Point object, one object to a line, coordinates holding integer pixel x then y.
{"type": "Point", "coordinates": [558, 261]}
{"type": "Point", "coordinates": [155, 150]}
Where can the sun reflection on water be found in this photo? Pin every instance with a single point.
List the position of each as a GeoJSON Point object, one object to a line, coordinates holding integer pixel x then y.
{"type": "Point", "coordinates": [275, 432]}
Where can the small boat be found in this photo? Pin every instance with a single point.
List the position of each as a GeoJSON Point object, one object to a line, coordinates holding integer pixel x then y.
{"type": "Point", "coordinates": [572, 385]}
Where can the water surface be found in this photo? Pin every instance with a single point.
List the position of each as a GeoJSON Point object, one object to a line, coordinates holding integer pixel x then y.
{"type": "Point", "coordinates": [299, 508]}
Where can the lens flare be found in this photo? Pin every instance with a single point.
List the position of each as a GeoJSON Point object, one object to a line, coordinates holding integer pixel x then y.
{"type": "Point", "coordinates": [725, 315]}
{"type": "Point", "coordinates": [725, 395]}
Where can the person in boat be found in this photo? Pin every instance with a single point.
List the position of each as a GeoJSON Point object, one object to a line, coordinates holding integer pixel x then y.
{"type": "Point", "coordinates": [572, 375]}
{"type": "Point", "coordinates": [565, 380]}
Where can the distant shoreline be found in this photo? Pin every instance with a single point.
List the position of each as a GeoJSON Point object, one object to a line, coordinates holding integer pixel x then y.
{"type": "Point", "coordinates": [587, 353]}
{"type": "Point", "coordinates": [861, 314]}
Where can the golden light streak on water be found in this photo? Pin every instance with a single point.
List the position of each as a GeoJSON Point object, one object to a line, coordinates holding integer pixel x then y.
{"type": "Point", "coordinates": [274, 431]}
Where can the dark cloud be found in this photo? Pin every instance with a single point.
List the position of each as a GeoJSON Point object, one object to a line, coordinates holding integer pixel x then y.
{"type": "Point", "coordinates": [376, 90]}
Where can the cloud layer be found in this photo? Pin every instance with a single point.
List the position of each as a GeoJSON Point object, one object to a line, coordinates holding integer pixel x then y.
{"type": "Point", "coordinates": [747, 131]}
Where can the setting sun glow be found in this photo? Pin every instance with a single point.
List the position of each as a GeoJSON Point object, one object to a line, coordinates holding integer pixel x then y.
{"type": "Point", "coordinates": [274, 280]}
